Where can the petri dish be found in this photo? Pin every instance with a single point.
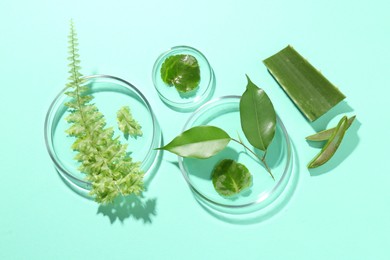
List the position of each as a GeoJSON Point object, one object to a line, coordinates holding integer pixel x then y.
{"type": "Point", "coordinates": [189, 101]}
{"type": "Point", "coordinates": [110, 94]}
{"type": "Point", "coordinates": [223, 112]}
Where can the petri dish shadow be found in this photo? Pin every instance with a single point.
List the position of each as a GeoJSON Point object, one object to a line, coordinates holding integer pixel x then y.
{"type": "Point", "coordinates": [269, 211]}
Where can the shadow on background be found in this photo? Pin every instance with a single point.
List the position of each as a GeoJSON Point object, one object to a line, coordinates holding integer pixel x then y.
{"type": "Point", "coordinates": [322, 122]}
{"type": "Point", "coordinates": [137, 207]}
{"type": "Point", "coordinates": [347, 146]}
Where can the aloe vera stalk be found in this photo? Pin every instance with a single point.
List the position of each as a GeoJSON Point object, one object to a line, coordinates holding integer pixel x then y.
{"type": "Point", "coordinates": [326, 134]}
{"type": "Point", "coordinates": [331, 146]}
{"type": "Point", "coordinates": [311, 92]}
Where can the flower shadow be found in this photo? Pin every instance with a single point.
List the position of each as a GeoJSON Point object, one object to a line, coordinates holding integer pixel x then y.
{"type": "Point", "coordinates": [137, 207]}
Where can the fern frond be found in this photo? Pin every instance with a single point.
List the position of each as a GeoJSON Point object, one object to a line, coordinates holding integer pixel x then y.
{"type": "Point", "coordinates": [103, 158]}
{"type": "Point", "coordinates": [127, 124]}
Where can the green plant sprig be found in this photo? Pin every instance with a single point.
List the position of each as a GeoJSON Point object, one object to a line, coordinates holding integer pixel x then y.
{"type": "Point", "coordinates": [262, 159]}
{"type": "Point", "coordinates": [103, 158]}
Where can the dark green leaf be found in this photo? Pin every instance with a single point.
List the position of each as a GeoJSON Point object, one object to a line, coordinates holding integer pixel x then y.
{"type": "Point", "coordinates": [331, 146]}
{"type": "Point", "coordinates": [230, 177]}
{"type": "Point", "coordinates": [199, 142]}
{"type": "Point", "coordinates": [258, 117]}
{"type": "Point", "coordinates": [326, 134]}
{"type": "Point", "coordinates": [311, 92]}
{"type": "Point", "coordinates": [181, 71]}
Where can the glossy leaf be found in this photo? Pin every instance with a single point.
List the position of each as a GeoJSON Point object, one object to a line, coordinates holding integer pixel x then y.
{"type": "Point", "coordinates": [230, 178]}
{"type": "Point", "coordinates": [258, 117]}
{"type": "Point", "coordinates": [181, 71]}
{"type": "Point", "coordinates": [326, 134]}
{"type": "Point", "coordinates": [199, 142]}
{"type": "Point", "coordinates": [311, 92]}
{"type": "Point", "coordinates": [331, 146]}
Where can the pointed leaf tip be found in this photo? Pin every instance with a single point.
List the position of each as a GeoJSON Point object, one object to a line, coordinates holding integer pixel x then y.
{"type": "Point", "coordinates": [199, 142]}
{"type": "Point", "coordinates": [258, 117]}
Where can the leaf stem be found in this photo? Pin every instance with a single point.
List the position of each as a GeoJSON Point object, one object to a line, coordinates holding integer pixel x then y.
{"type": "Point", "coordinates": [262, 159]}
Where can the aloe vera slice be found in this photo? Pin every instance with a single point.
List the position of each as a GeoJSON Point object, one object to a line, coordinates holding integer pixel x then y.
{"type": "Point", "coordinates": [311, 92]}
{"type": "Point", "coordinates": [326, 134]}
{"type": "Point", "coordinates": [331, 146]}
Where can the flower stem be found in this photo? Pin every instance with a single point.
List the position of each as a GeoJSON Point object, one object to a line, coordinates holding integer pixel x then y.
{"type": "Point", "coordinates": [262, 159]}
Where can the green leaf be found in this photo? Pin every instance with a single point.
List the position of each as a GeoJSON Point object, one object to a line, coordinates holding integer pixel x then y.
{"type": "Point", "coordinates": [127, 124]}
{"type": "Point", "coordinates": [198, 142]}
{"type": "Point", "coordinates": [326, 134]}
{"type": "Point", "coordinates": [331, 146]}
{"type": "Point", "coordinates": [181, 71]}
{"type": "Point", "coordinates": [258, 117]}
{"type": "Point", "coordinates": [311, 92]}
{"type": "Point", "coordinates": [230, 178]}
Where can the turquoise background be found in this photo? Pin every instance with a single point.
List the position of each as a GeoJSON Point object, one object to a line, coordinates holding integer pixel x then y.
{"type": "Point", "coordinates": [340, 211]}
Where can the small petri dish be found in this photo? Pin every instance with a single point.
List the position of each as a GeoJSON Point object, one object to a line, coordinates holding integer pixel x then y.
{"type": "Point", "coordinates": [223, 112]}
{"type": "Point", "coordinates": [110, 94]}
{"type": "Point", "coordinates": [189, 101]}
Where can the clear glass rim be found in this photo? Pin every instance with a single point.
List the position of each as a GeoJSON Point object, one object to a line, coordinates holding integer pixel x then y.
{"type": "Point", "coordinates": [50, 113]}
{"type": "Point", "coordinates": [197, 100]}
{"type": "Point", "coordinates": [262, 197]}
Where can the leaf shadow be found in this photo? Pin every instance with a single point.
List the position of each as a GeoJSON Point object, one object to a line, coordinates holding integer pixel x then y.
{"type": "Point", "coordinates": [347, 146]}
{"type": "Point", "coordinates": [202, 168]}
{"type": "Point", "coordinates": [122, 208]}
{"type": "Point", "coordinates": [137, 207]}
{"type": "Point", "coordinates": [316, 144]}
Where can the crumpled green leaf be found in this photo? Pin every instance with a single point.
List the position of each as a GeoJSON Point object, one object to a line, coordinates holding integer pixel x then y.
{"type": "Point", "coordinates": [230, 177]}
{"type": "Point", "coordinates": [181, 71]}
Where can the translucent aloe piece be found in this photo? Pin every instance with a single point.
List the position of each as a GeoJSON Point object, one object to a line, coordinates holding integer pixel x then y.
{"type": "Point", "coordinates": [326, 134]}
{"type": "Point", "coordinates": [311, 92]}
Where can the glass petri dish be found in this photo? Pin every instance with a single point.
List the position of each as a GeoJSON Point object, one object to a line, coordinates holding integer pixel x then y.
{"type": "Point", "coordinates": [184, 101]}
{"type": "Point", "coordinates": [224, 113]}
{"type": "Point", "coordinates": [110, 93]}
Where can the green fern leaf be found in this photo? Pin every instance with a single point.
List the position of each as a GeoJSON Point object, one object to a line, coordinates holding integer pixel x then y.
{"type": "Point", "coordinates": [127, 124]}
{"type": "Point", "coordinates": [103, 158]}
